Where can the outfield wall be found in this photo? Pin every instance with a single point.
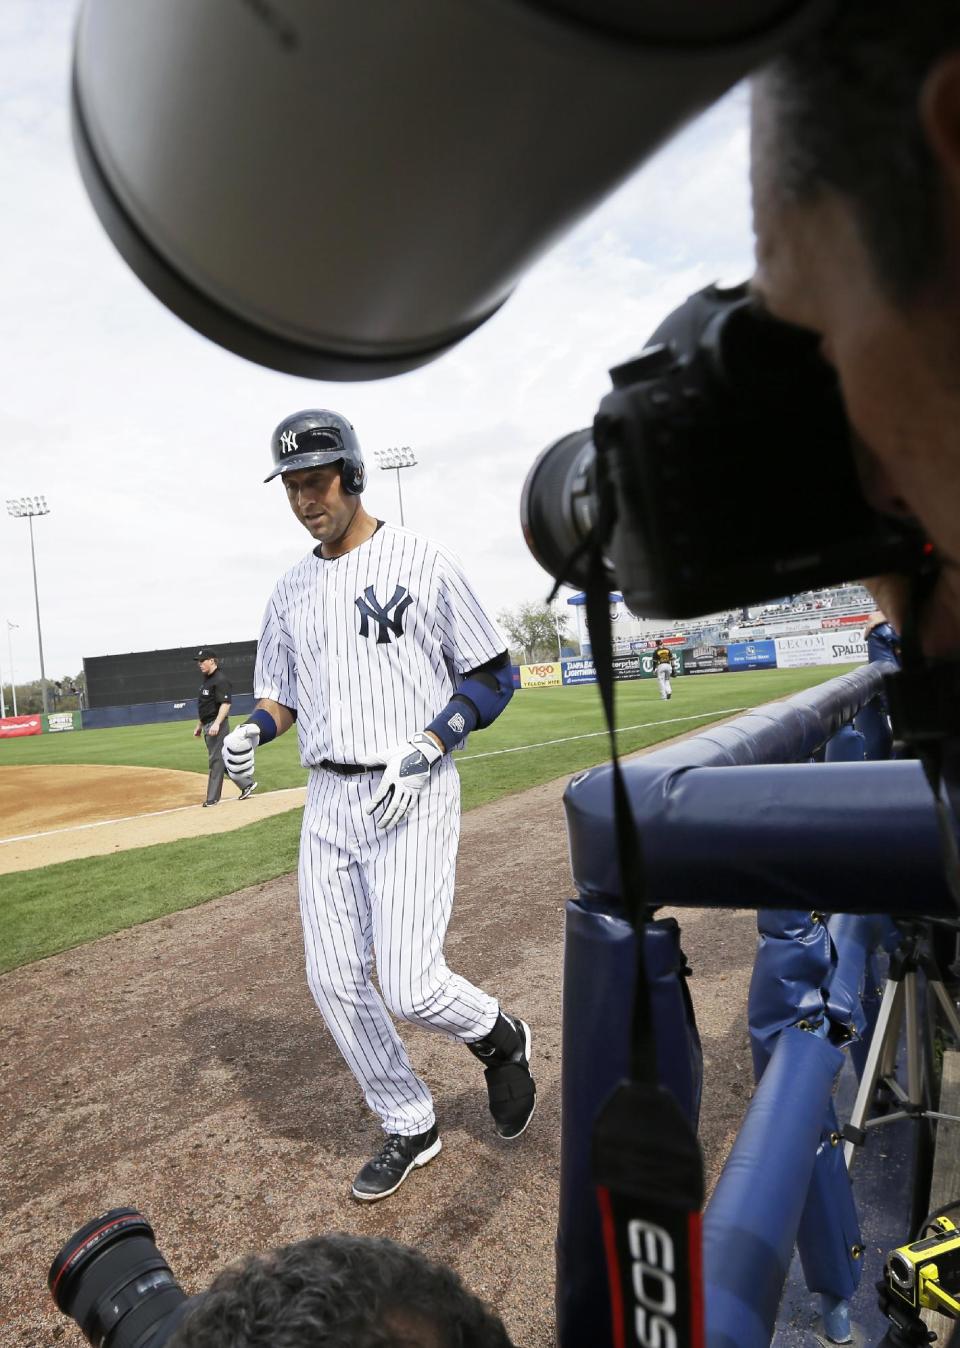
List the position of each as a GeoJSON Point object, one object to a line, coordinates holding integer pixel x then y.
{"type": "Point", "coordinates": [144, 678]}
{"type": "Point", "coordinates": [151, 713]}
{"type": "Point", "coordinates": [819, 648]}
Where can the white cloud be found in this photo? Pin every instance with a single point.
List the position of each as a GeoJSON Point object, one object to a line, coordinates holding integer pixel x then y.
{"type": "Point", "coordinates": [150, 443]}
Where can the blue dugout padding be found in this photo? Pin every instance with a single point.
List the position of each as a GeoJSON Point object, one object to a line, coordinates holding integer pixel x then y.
{"type": "Point", "coordinates": [769, 837]}
{"type": "Point", "coordinates": [599, 958]}
{"type": "Point", "coordinates": [853, 996]}
{"type": "Point", "coordinates": [794, 963]}
{"type": "Point", "coordinates": [810, 972]}
{"type": "Point", "coordinates": [152, 713]}
{"type": "Point", "coordinates": [873, 724]}
{"type": "Point", "coordinates": [795, 966]}
{"type": "Point", "coordinates": [778, 834]}
{"type": "Point", "coordinates": [750, 1224]}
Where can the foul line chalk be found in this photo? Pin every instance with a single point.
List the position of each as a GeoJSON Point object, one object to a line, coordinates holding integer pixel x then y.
{"type": "Point", "coordinates": [461, 758]}
{"type": "Point", "coordinates": [621, 730]}
{"type": "Point", "coordinates": [126, 819]}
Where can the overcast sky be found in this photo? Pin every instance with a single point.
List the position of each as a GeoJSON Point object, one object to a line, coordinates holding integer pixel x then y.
{"type": "Point", "coordinates": [150, 443]}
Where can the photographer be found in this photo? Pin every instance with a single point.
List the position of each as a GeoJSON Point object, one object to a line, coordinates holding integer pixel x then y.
{"type": "Point", "coordinates": [856, 198]}
{"type": "Point", "coordinates": [343, 1292]}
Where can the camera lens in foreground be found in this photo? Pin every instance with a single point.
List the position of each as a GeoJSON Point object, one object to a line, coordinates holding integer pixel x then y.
{"type": "Point", "coordinates": [557, 506]}
{"type": "Point", "coordinates": [113, 1281]}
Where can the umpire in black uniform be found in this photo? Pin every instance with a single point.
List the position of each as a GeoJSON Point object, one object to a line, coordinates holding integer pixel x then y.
{"type": "Point", "coordinates": [213, 708]}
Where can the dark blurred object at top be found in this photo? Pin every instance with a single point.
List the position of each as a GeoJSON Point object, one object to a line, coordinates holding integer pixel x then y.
{"type": "Point", "coordinates": [346, 190]}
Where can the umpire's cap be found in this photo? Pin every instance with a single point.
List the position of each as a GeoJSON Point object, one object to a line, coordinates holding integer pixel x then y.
{"type": "Point", "coordinates": [315, 437]}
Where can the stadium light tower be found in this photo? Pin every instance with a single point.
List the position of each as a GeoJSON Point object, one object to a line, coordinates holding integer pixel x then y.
{"type": "Point", "coordinates": [27, 507]}
{"type": "Point", "coordinates": [396, 458]}
{"type": "Point", "coordinates": [13, 677]}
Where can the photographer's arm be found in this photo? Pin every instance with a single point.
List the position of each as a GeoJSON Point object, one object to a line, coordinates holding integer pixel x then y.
{"type": "Point", "coordinates": [940, 619]}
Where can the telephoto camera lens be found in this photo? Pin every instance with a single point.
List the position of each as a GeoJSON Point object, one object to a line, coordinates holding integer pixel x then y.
{"type": "Point", "coordinates": [113, 1281]}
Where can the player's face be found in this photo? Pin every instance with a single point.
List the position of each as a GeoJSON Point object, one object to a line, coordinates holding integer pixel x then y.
{"type": "Point", "coordinates": [899, 367]}
{"type": "Point", "coordinates": [319, 502]}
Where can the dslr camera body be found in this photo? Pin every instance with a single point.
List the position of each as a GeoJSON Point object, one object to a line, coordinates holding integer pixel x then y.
{"type": "Point", "coordinates": [719, 471]}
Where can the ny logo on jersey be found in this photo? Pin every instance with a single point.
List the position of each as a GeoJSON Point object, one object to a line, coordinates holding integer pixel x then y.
{"type": "Point", "coordinates": [370, 607]}
{"type": "Point", "coordinates": [288, 443]}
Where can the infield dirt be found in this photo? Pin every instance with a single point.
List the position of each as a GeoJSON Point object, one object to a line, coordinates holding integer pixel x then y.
{"type": "Point", "coordinates": [182, 1068]}
{"type": "Point", "coordinates": [59, 813]}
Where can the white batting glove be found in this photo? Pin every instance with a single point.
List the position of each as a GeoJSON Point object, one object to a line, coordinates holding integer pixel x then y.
{"type": "Point", "coordinates": [405, 774]}
{"type": "Point", "coordinates": [238, 751]}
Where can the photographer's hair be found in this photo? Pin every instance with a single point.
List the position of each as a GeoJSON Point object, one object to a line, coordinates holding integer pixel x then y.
{"type": "Point", "coordinates": [840, 111]}
{"type": "Point", "coordinates": [340, 1291]}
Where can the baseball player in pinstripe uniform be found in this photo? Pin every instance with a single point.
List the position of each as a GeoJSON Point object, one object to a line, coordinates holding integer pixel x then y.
{"type": "Point", "coordinates": [376, 647]}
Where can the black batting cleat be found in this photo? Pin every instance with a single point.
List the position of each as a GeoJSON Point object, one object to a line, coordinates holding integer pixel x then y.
{"type": "Point", "coordinates": [505, 1053]}
{"type": "Point", "coordinates": [247, 791]}
{"type": "Point", "coordinates": [383, 1175]}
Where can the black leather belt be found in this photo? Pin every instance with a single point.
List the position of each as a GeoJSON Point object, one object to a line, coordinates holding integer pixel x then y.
{"type": "Point", "coordinates": [347, 769]}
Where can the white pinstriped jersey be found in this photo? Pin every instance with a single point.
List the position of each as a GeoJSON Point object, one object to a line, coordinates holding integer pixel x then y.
{"type": "Point", "coordinates": [370, 646]}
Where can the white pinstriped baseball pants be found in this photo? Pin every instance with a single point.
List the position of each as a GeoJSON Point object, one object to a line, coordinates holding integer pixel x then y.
{"type": "Point", "coordinates": [365, 892]}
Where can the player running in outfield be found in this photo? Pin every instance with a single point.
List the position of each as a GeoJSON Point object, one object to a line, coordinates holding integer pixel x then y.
{"type": "Point", "coordinates": [376, 646]}
{"type": "Point", "coordinates": [663, 666]}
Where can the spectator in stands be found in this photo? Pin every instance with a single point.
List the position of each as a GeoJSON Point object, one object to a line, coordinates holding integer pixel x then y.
{"type": "Point", "coordinates": [342, 1292]}
{"type": "Point", "coordinates": [856, 197]}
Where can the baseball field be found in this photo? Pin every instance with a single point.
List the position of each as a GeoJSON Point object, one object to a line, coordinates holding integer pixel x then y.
{"type": "Point", "coordinates": [106, 792]}
{"type": "Point", "coordinates": [174, 1060]}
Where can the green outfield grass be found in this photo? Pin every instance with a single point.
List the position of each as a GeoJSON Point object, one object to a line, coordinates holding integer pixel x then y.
{"type": "Point", "coordinates": [170, 746]}
{"type": "Point", "coordinates": [545, 733]}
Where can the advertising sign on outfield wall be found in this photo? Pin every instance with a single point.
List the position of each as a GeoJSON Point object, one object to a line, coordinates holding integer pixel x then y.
{"type": "Point", "coordinates": [848, 620]}
{"type": "Point", "coordinates": [579, 670]}
{"type": "Point", "coordinates": [648, 668]}
{"type": "Point", "coordinates": [819, 648]}
{"type": "Point", "coordinates": [799, 652]}
{"type": "Point", "coordinates": [63, 720]}
{"type": "Point", "coordinates": [628, 667]}
{"type": "Point", "coordinates": [547, 675]}
{"type": "Point", "coordinates": [705, 660]}
{"type": "Point", "coordinates": [844, 650]}
{"type": "Point", "coordinates": [11, 726]}
{"type": "Point", "coordinates": [751, 655]}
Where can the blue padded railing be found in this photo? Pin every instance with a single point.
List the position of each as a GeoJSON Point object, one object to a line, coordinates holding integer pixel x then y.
{"type": "Point", "coordinates": [775, 833]}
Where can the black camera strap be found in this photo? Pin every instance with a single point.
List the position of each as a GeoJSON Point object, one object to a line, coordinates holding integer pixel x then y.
{"type": "Point", "coordinates": [647, 1163]}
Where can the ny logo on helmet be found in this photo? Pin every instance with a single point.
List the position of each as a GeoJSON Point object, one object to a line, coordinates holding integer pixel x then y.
{"type": "Point", "coordinates": [288, 443]}
{"type": "Point", "coordinates": [370, 607]}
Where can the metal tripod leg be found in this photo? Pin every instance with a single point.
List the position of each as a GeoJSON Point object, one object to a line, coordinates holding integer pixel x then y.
{"type": "Point", "coordinates": [946, 1005]}
{"type": "Point", "coordinates": [889, 1014]}
{"type": "Point", "coordinates": [901, 1000]}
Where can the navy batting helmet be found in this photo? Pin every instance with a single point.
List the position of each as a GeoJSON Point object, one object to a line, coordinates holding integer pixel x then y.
{"type": "Point", "coordinates": [316, 437]}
